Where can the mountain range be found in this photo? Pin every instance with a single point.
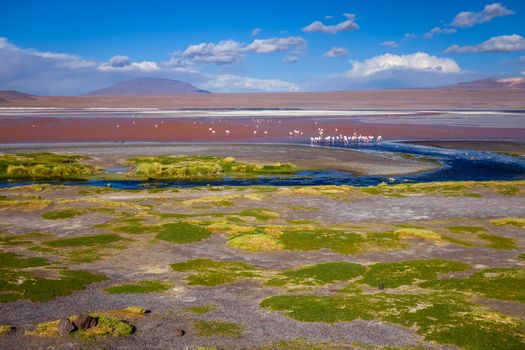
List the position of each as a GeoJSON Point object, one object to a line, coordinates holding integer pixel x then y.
{"type": "Point", "coordinates": [147, 87]}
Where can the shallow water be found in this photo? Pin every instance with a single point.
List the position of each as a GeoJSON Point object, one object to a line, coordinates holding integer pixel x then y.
{"type": "Point", "coordinates": [456, 165]}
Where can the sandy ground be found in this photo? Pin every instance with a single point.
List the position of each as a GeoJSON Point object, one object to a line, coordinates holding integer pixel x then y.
{"type": "Point", "coordinates": [238, 302]}
{"type": "Point", "coordinates": [379, 99]}
{"type": "Point", "coordinates": [303, 156]}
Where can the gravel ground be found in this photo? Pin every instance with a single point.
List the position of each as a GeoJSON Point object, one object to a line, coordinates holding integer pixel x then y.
{"type": "Point", "coordinates": [238, 302]}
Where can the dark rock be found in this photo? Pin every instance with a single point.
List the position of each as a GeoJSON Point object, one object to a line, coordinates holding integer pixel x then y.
{"type": "Point", "coordinates": [65, 326]}
{"type": "Point", "coordinates": [381, 286]}
{"type": "Point", "coordinates": [178, 332]}
{"type": "Point", "coordinates": [84, 322]}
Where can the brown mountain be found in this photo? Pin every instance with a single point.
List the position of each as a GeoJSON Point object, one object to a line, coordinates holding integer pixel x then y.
{"type": "Point", "coordinates": [490, 84]}
{"type": "Point", "coordinates": [147, 87]}
{"type": "Point", "coordinates": [13, 95]}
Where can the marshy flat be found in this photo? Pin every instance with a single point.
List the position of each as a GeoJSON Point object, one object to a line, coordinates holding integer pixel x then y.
{"type": "Point", "coordinates": [258, 266]}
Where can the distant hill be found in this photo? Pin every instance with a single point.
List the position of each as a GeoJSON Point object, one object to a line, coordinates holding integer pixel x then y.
{"type": "Point", "coordinates": [13, 95]}
{"type": "Point", "coordinates": [147, 87]}
{"type": "Point", "coordinates": [489, 84]}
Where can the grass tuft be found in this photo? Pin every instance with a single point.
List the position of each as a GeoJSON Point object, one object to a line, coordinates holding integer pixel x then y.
{"type": "Point", "coordinates": [396, 274]}
{"type": "Point", "coordinates": [207, 272]}
{"type": "Point", "coordinates": [183, 232]}
{"type": "Point", "coordinates": [139, 287]}
{"type": "Point", "coordinates": [62, 214]}
{"type": "Point", "coordinates": [319, 274]}
{"type": "Point", "coordinates": [219, 328]}
{"type": "Point", "coordinates": [84, 241]}
{"type": "Point", "coordinates": [201, 310]}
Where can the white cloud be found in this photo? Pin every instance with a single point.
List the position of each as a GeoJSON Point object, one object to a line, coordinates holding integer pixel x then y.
{"type": "Point", "coordinates": [119, 61]}
{"type": "Point", "coordinates": [489, 12]}
{"type": "Point", "coordinates": [437, 30]}
{"type": "Point", "coordinates": [504, 43]}
{"type": "Point", "coordinates": [418, 61]}
{"type": "Point", "coordinates": [275, 44]}
{"type": "Point", "coordinates": [256, 31]}
{"type": "Point", "coordinates": [389, 43]}
{"type": "Point", "coordinates": [53, 58]}
{"type": "Point", "coordinates": [336, 52]}
{"type": "Point", "coordinates": [230, 51]}
{"type": "Point", "coordinates": [224, 52]}
{"type": "Point", "coordinates": [48, 73]}
{"type": "Point", "coordinates": [347, 25]}
{"type": "Point", "coordinates": [229, 82]}
{"type": "Point", "coordinates": [122, 63]}
{"type": "Point", "coordinates": [180, 65]}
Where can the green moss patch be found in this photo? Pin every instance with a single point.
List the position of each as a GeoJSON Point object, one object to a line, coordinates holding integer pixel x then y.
{"type": "Point", "coordinates": [201, 310]}
{"type": "Point", "coordinates": [62, 214]}
{"type": "Point", "coordinates": [139, 287]}
{"type": "Point", "coordinates": [498, 242]}
{"type": "Point", "coordinates": [517, 222]}
{"type": "Point", "coordinates": [207, 272]}
{"type": "Point", "coordinates": [15, 261]}
{"type": "Point", "coordinates": [301, 344]}
{"type": "Point", "coordinates": [260, 214]}
{"type": "Point", "coordinates": [84, 241]}
{"type": "Point", "coordinates": [319, 274]}
{"type": "Point", "coordinates": [496, 283]}
{"type": "Point", "coordinates": [131, 226]}
{"type": "Point", "coordinates": [466, 229]}
{"type": "Point", "coordinates": [218, 328]}
{"type": "Point", "coordinates": [183, 232]}
{"type": "Point", "coordinates": [442, 317]}
{"type": "Point", "coordinates": [338, 240]}
{"type": "Point", "coordinates": [82, 249]}
{"type": "Point", "coordinates": [451, 188]}
{"type": "Point", "coordinates": [16, 285]}
{"type": "Point", "coordinates": [255, 242]}
{"type": "Point", "coordinates": [22, 239]}
{"type": "Point", "coordinates": [396, 274]}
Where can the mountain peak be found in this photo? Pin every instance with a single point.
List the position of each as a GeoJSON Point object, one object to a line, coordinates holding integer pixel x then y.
{"type": "Point", "coordinates": [490, 84]}
{"type": "Point", "coordinates": [147, 87]}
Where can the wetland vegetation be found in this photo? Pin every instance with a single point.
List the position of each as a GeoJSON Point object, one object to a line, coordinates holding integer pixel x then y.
{"type": "Point", "coordinates": [427, 264]}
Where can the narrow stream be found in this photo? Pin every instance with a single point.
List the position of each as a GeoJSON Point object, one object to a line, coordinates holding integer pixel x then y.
{"type": "Point", "coordinates": [456, 165]}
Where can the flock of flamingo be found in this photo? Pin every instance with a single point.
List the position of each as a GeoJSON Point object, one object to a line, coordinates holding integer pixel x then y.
{"type": "Point", "coordinates": [319, 139]}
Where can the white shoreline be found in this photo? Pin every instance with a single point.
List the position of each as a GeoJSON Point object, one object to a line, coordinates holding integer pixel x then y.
{"type": "Point", "coordinates": [204, 113]}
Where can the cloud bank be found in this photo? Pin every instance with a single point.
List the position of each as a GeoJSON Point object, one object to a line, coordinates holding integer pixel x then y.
{"type": "Point", "coordinates": [419, 61]}
{"type": "Point", "coordinates": [48, 73]}
{"type": "Point", "coordinates": [489, 12]}
{"type": "Point", "coordinates": [503, 43]}
{"type": "Point", "coordinates": [231, 51]}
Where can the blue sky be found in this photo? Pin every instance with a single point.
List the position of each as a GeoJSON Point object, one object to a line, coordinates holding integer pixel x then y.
{"type": "Point", "coordinates": [64, 47]}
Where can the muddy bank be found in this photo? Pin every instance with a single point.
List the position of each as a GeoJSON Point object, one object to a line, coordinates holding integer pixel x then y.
{"type": "Point", "coordinates": [512, 148]}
